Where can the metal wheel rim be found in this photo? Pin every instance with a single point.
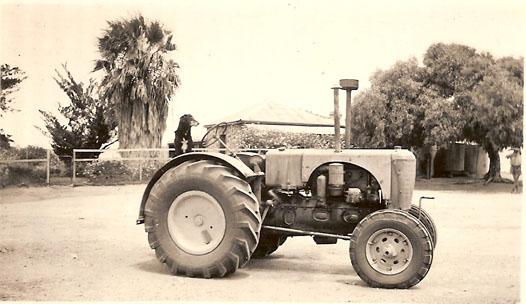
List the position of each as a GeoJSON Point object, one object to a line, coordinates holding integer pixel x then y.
{"type": "Point", "coordinates": [389, 251]}
{"type": "Point", "coordinates": [196, 222]}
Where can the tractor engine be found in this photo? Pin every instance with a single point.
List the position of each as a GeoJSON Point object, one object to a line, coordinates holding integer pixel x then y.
{"type": "Point", "coordinates": [331, 192]}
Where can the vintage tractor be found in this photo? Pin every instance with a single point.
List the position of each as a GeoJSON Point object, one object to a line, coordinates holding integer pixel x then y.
{"type": "Point", "coordinates": [207, 214]}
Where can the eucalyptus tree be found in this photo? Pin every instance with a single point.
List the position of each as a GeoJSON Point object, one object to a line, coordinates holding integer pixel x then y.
{"type": "Point", "coordinates": [487, 93]}
{"type": "Point", "coordinates": [457, 94]}
{"type": "Point", "coordinates": [400, 109]}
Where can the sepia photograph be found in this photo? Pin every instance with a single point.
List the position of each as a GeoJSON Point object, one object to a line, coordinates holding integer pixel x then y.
{"type": "Point", "coordinates": [262, 151]}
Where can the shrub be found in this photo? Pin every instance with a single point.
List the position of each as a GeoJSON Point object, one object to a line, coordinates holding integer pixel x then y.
{"type": "Point", "coordinates": [119, 171]}
{"type": "Point", "coordinates": [255, 138]}
{"type": "Point", "coordinates": [150, 167]}
{"type": "Point", "coordinates": [107, 170]}
{"type": "Point", "coordinates": [21, 174]}
{"type": "Point", "coordinates": [29, 152]}
{"type": "Point", "coordinates": [28, 173]}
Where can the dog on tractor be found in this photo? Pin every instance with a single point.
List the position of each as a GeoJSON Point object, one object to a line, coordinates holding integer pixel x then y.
{"type": "Point", "coordinates": [183, 142]}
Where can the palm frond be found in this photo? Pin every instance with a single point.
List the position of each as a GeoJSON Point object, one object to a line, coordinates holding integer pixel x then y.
{"type": "Point", "coordinates": [140, 78]}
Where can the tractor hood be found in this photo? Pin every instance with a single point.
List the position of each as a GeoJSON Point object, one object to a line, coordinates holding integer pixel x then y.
{"type": "Point", "coordinates": [395, 170]}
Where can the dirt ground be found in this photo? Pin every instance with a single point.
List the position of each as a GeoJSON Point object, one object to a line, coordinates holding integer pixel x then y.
{"type": "Point", "coordinates": [82, 244]}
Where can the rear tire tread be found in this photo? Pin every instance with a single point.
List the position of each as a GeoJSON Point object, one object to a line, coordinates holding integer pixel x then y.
{"type": "Point", "coordinates": [248, 221]}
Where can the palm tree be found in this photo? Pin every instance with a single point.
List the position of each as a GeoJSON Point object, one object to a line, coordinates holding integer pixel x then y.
{"type": "Point", "coordinates": [139, 79]}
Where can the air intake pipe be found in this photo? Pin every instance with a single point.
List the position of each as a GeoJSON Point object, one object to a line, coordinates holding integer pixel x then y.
{"type": "Point", "coordinates": [348, 85]}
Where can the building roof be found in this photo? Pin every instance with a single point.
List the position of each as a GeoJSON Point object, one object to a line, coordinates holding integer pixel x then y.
{"type": "Point", "coordinates": [281, 117]}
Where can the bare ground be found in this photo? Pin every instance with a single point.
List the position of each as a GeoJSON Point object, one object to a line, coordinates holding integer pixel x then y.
{"type": "Point", "coordinates": [82, 244]}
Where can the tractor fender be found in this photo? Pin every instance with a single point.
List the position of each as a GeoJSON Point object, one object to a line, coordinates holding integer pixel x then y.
{"type": "Point", "coordinates": [229, 161]}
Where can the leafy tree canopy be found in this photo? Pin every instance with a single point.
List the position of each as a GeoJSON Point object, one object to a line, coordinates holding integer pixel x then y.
{"type": "Point", "coordinates": [11, 77]}
{"type": "Point", "coordinates": [487, 92]}
{"type": "Point", "coordinates": [86, 125]}
{"type": "Point", "coordinates": [9, 83]}
{"type": "Point", "coordinates": [458, 94]}
{"type": "Point", "coordinates": [401, 109]}
{"type": "Point", "coordinates": [5, 140]}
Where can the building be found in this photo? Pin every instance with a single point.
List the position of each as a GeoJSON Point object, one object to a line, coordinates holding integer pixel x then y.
{"type": "Point", "coordinates": [234, 130]}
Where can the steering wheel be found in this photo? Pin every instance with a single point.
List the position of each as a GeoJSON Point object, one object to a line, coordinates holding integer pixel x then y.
{"type": "Point", "coordinates": [206, 142]}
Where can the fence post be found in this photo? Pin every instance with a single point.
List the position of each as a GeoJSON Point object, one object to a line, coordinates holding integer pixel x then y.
{"type": "Point", "coordinates": [140, 165]}
{"type": "Point", "coordinates": [74, 167]}
{"type": "Point", "coordinates": [48, 157]}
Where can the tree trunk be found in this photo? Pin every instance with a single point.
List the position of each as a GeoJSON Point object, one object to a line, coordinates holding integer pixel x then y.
{"type": "Point", "coordinates": [493, 174]}
{"type": "Point", "coordinates": [141, 125]}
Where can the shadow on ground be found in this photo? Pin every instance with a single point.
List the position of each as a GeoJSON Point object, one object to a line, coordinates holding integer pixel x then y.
{"type": "Point", "coordinates": [156, 267]}
{"type": "Point", "coordinates": [465, 184]}
{"type": "Point", "coordinates": [297, 264]}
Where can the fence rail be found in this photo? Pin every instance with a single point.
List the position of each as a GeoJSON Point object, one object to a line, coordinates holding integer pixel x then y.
{"type": "Point", "coordinates": [164, 151]}
{"type": "Point", "coordinates": [36, 160]}
{"type": "Point", "coordinates": [140, 156]}
{"type": "Point", "coordinates": [11, 161]}
{"type": "Point", "coordinates": [116, 152]}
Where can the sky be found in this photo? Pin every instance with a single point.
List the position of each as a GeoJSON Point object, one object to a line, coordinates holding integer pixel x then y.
{"type": "Point", "coordinates": [235, 54]}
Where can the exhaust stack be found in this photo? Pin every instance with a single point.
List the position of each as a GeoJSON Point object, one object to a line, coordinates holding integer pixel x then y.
{"type": "Point", "coordinates": [337, 136]}
{"type": "Point", "coordinates": [348, 85]}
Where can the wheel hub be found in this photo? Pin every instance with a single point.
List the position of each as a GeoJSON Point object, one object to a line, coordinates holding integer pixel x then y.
{"type": "Point", "coordinates": [389, 251]}
{"type": "Point", "coordinates": [196, 222]}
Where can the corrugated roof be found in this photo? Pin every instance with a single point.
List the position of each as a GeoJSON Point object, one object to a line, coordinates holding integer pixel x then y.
{"type": "Point", "coordinates": [295, 129]}
{"type": "Point", "coordinates": [280, 113]}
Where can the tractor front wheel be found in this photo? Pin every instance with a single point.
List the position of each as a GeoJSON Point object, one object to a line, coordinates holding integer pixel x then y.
{"type": "Point", "coordinates": [426, 219]}
{"type": "Point", "coordinates": [202, 220]}
{"type": "Point", "coordinates": [391, 249]}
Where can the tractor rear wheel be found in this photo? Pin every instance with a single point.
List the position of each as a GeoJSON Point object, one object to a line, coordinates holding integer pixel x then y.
{"type": "Point", "coordinates": [268, 243]}
{"type": "Point", "coordinates": [202, 220]}
{"type": "Point", "coordinates": [426, 219]}
{"type": "Point", "coordinates": [391, 249]}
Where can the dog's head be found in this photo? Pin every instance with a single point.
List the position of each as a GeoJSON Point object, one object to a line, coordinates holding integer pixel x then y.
{"type": "Point", "coordinates": [187, 121]}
